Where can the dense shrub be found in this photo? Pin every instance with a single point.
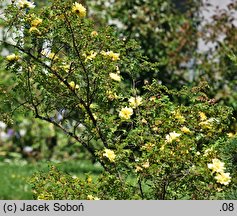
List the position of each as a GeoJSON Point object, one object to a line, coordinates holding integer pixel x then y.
{"type": "Point", "coordinates": [157, 143]}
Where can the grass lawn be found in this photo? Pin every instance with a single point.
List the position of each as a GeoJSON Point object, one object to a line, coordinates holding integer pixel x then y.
{"type": "Point", "coordinates": [14, 176]}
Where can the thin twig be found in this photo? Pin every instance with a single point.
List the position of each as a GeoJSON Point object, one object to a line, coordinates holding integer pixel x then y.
{"type": "Point", "coordinates": [86, 105]}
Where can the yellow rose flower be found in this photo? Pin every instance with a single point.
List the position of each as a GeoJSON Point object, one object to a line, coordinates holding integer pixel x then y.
{"type": "Point", "coordinates": [216, 166]}
{"type": "Point", "coordinates": [162, 147]}
{"type": "Point", "coordinates": [103, 53]}
{"type": "Point", "coordinates": [207, 152]}
{"type": "Point", "coordinates": [65, 67]}
{"type": "Point", "coordinates": [36, 22]}
{"type": "Point", "coordinates": [25, 4]}
{"type": "Point", "coordinates": [91, 197]}
{"type": "Point", "coordinates": [109, 154]}
{"type": "Point", "coordinates": [126, 113]}
{"type": "Point", "coordinates": [111, 95]}
{"type": "Point", "coordinates": [115, 76]}
{"type": "Point", "coordinates": [73, 85]}
{"type": "Point", "coordinates": [12, 57]}
{"type": "Point", "coordinates": [79, 9]}
{"type": "Point", "coordinates": [144, 121]}
{"type": "Point", "coordinates": [111, 54]}
{"type": "Point", "coordinates": [91, 56]}
{"type": "Point", "coordinates": [172, 137]}
{"type": "Point", "coordinates": [203, 116]}
{"type": "Point", "coordinates": [94, 33]}
{"type": "Point", "coordinates": [205, 125]}
{"type": "Point", "coordinates": [138, 168]}
{"type": "Point", "coordinates": [178, 116]}
{"type": "Point", "coordinates": [52, 55]}
{"type": "Point", "coordinates": [135, 101]}
{"type": "Point", "coordinates": [45, 196]}
{"type": "Point", "coordinates": [230, 135]}
{"type": "Point", "coordinates": [89, 179]}
{"type": "Point", "coordinates": [208, 124]}
{"type": "Point", "coordinates": [223, 178]}
{"type": "Point", "coordinates": [185, 130]}
{"type": "Point", "coordinates": [148, 146]}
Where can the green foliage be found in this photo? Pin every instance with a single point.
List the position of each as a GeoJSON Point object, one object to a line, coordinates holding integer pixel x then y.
{"type": "Point", "coordinates": [16, 176]}
{"type": "Point", "coordinates": [148, 166]}
{"type": "Point", "coordinates": [60, 186]}
{"type": "Point", "coordinates": [172, 38]}
{"type": "Point", "coordinates": [165, 34]}
{"type": "Point", "coordinates": [163, 144]}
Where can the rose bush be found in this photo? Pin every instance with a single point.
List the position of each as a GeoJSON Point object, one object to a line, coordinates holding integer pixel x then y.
{"type": "Point", "coordinates": [163, 144]}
